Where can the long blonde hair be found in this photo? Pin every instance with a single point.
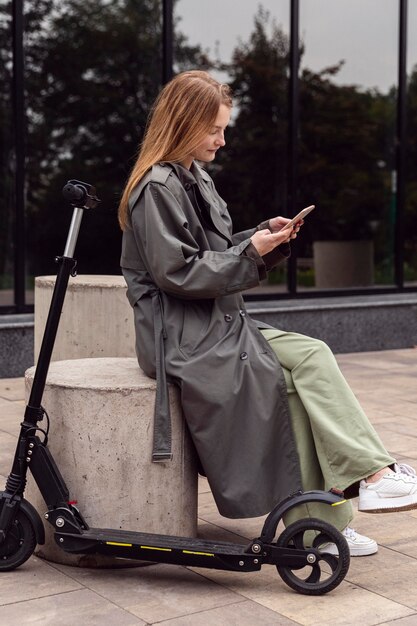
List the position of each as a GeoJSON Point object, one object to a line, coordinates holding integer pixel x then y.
{"type": "Point", "coordinates": [181, 116]}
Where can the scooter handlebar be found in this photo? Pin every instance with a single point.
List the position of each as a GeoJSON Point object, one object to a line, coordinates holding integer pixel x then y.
{"type": "Point", "coordinates": [80, 195]}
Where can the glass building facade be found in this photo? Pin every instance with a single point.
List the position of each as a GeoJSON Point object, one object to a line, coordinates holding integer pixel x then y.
{"type": "Point", "coordinates": [325, 113]}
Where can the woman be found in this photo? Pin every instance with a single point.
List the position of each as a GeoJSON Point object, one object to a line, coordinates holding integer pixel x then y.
{"type": "Point", "coordinates": [269, 411]}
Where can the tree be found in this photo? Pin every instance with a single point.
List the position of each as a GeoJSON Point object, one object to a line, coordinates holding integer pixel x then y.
{"type": "Point", "coordinates": [251, 171]}
{"type": "Point", "coordinates": [410, 256]}
{"type": "Point", "coordinates": [346, 144]}
{"type": "Point", "coordinates": [93, 69]}
{"type": "Point", "coordinates": [6, 144]}
{"type": "Point", "coordinates": [345, 158]}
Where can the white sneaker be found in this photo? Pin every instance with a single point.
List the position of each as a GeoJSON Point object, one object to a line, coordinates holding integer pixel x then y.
{"type": "Point", "coordinates": [359, 545]}
{"type": "Point", "coordinates": [396, 491]}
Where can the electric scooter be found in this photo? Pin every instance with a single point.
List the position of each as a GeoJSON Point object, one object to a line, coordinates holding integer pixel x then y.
{"type": "Point", "coordinates": [304, 565]}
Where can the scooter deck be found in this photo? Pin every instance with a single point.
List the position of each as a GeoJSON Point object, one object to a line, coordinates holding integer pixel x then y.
{"type": "Point", "coordinates": [169, 541]}
{"type": "Point", "coordinates": [165, 548]}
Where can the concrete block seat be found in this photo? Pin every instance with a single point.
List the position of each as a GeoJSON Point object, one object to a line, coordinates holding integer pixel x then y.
{"type": "Point", "coordinates": [96, 320]}
{"type": "Point", "coordinates": [101, 433]}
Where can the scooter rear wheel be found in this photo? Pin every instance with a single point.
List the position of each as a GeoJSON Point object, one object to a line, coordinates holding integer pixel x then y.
{"type": "Point", "coordinates": [328, 570]}
{"type": "Point", "coordinates": [19, 544]}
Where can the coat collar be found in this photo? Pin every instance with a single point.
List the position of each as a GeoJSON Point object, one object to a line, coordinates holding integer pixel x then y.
{"type": "Point", "coordinates": [195, 176]}
{"type": "Point", "coordinates": [198, 176]}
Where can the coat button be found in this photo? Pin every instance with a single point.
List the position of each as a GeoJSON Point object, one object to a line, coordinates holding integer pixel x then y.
{"type": "Point", "coordinates": [187, 186]}
{"type": "Point", "coordinates": [243, 356]}
{"type": "Point", "coordinates": [242, 313]}
{"type": "Point", "coordinates": [228, 318]}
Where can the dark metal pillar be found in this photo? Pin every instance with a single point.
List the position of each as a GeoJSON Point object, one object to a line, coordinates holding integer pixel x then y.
{"type": "Point", "coordinates": [167, 40]}
{"type": "Point", "coordinates": [293, 130]}
{"type": "Point", "coordinates": [19, 125]}
{"type": "Point", "coordinates": [401, 140]}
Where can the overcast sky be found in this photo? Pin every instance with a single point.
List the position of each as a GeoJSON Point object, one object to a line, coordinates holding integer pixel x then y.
{"type": "Point", "coordinates": [362, 32]}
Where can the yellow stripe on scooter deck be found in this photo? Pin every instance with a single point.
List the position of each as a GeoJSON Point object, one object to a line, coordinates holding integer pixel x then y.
{"type": "Point", "coordinates": [129, 545]}
{"type": "Point", "coordinates": [337, 503]}
{"type": "Point", "coordinates": [128, 538]}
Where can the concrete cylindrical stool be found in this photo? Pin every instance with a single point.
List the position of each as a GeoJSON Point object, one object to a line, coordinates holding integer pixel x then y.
{"type": "Point", "coordinates": [101, 434]}
{"type": "Point", "coordinates": [343, 264]}
{"type": "Point", "coordinates": [96, 321]}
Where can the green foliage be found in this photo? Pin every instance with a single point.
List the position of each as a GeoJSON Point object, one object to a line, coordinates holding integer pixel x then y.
{"type": "Point", "coordinates": [410, 221]}
{"type": "Point", "coordinates": [93, 68]}
{"type": "Point", "coordinates": [6, 141]}
{"type": "Point", "coordinates": [346, 155]}
{"type": "Point", "coordinates": [346, 146]}
{"type": "Point", "coordinates": [251, 171]}
{"type": "Point", "coordinates": [346, 149]}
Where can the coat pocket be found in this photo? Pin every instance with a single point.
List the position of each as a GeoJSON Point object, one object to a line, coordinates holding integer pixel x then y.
{"type": "Point", "coordinates": [196, 321]}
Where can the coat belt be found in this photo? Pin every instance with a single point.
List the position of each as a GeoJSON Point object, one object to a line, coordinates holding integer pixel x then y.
{"type": "Point", "coordinates": [162, 432]}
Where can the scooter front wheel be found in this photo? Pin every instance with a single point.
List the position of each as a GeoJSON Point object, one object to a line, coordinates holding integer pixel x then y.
{"type": "Point", "coordinates": [19, 544]}
{"type": "Point", "coordinates": [326, 571]}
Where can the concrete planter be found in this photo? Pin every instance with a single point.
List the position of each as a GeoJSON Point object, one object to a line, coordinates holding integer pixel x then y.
{"type": "Point", "coordinates": [339, 264]}
{"type": "Point", "coordinates": [96, 320]}
{"type": "Point", "coordinates": [101, 437]}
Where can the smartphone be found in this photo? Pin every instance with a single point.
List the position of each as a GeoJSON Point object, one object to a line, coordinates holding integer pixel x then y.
{"type": "Point", "coordinates": [301, 215]}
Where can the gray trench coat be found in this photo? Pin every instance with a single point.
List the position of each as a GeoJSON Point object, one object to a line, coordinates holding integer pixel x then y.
{"type": "Point", "coordinates": [185, 272]}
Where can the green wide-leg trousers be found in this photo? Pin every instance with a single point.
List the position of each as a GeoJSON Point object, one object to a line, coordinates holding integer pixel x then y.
{"type": "Point", "coordinates": [336, 443]}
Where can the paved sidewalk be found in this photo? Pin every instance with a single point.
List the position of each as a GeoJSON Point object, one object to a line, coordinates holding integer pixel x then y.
{"type": "Point", "coordinates": [380, 589]}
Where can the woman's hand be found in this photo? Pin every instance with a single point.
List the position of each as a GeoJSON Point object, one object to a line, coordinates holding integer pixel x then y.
{"type": "Point", "coordinates": [278, 223]}
{"type": "Point", "coordinates": [265, 241]}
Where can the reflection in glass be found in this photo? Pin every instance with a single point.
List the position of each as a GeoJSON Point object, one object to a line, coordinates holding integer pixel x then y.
{"type": "Point", "coordinates": [249, 50]}
{"type": "Point", "coordinates": [92, 70]}
{"type": "Point", "coordinates": [6, 160]}
{"type": "Point", "coordinates": [410, 243]}
{"type": "Point", "coordinates": [347, 125]}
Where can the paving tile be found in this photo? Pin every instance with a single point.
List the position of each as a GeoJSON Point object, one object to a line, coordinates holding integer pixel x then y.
{"type": "Point", "coordinates": [402, 425]}
{"type": "Point", "coordinates": [67, 609]}
{"type": "Point", "coordinates": [33, 579]}
{"type": "Point", "coordinates": [246, 528]}
{"type": "Point", "coordinates": [385, 385]}
{"type": "Point", "coordinates": [217, 533]}
{"type": "Point", "coordinates": [384, 560]}
{"type": "Point", "coordinates": [394, 359]}
{"type": "Point", "coordinates": [396, 587]}
{"type": "Point", "coordinates": [156, 592]}
{"type": "Point", "coordinates": [11, 415]}
{"type": "Point", "coordinates": [395, 406]}
{"type": "Point", "coordinates": [387, 529]}
{"type": "Point", "coordinates": [7, 449]}
{"type": "Point", "coordinates": [243, 614]}
{"type": "Point", "coordinates": [12, 388]}
{"type": "Point", "coordinates": [344, 606]}
{"type": "Point", "coordinates": [405, 621]}
{"type": "Point", "coordinates": [203, 486]}
{"type": "Point", "coordinates": [399, 443]}
{"type": "Point", "coordinates": [405, 545]}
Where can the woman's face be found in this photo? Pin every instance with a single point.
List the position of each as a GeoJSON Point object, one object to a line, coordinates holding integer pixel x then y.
{"type": "Point", "coordinates": [214, 140]}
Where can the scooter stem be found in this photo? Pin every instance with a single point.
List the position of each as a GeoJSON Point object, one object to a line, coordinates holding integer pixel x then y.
{"type": "Point", "coordinates": [67, 266]}
{"type": "Point", "coordinates": [81, 196]}
{"type": "Point", "coordinates": [77, 216]}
